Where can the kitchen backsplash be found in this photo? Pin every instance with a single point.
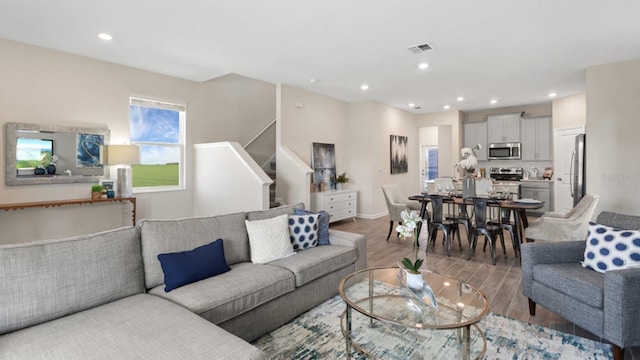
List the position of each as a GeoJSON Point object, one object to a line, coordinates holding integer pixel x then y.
{"type": "Point", "coordinates": [525, 165]}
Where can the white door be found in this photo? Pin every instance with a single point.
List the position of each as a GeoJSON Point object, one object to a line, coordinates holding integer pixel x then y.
{"type": "Point", "coordinates": [564, 146]}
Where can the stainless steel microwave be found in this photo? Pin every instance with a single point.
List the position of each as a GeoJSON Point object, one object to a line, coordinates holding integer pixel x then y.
{"type": "Point", "coordinates": [504, 151]}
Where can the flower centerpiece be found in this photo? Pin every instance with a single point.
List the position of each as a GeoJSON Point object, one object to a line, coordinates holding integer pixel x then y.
{"type": "Point", "coordinates": [408, 228]}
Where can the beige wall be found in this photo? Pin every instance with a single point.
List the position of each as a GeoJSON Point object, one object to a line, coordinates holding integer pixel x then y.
{"type": "Point", "coordinates": [49, 87]}
{"type": "Point", "coordinates": [361, 134]}
{"type": "Point", "coordinates": [613, 168]}
{"type": "Point", "coordinates": [449, 137]}
{"type": "Point", "coordinates": [570, 111]}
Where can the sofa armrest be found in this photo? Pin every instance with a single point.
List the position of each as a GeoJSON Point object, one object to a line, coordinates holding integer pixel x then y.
{"type": "Point", "coordinates": [622, 307]}
{"type": "Point", "coordinates": [536, 253]}
{"type": "Point", "coordinates": [358, 241]}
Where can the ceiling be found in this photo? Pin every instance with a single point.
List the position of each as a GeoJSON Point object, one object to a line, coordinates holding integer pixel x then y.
{"type": "Point", "coordinates": [514, 51]}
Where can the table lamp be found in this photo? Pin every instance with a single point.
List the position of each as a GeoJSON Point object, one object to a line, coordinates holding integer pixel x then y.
{"type": "Point", "coordinates": [124, 155]}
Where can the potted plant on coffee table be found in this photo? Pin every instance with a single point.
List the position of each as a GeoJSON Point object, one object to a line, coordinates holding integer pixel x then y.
{"type": "Point", "coordinates": [409, 228]}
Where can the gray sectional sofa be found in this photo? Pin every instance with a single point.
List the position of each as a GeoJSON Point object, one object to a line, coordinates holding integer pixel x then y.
{"type": "Point", "coordinates": [101, 296]}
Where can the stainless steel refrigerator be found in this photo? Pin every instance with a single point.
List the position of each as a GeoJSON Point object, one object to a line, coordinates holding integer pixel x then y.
{"type": "Point", "coordinates": [578, 173]}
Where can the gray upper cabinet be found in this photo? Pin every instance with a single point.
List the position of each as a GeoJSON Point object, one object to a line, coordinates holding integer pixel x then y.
{"type": "Point", "coordinates": [476, 133]}
{"type": "Point", "coordinates": [504, 128]}
{"type": "Point", "coordinates": [536, 138]}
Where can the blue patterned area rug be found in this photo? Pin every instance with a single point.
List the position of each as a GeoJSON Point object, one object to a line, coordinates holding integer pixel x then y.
{"type": "Point", "coordinates": [316, 335]}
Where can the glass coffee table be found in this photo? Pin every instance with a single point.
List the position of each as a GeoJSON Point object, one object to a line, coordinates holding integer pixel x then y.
{"type": "Point", "coordinates": [393, 321]}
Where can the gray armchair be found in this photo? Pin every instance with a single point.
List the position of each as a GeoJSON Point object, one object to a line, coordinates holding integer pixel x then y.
{"type": "Point", "coordinates": [396, 202]}
{"type": "Point", "coordinates": [607, 305]}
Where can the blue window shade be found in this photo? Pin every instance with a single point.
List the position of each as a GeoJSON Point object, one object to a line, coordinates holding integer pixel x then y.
{"type": "Point", "coordinates": [432, 160]}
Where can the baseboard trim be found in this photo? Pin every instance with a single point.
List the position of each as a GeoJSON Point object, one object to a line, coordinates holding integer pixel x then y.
{"type": "Point", "coordinates": [373, 216]}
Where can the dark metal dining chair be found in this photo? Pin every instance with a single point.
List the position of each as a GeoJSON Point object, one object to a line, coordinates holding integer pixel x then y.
{"type": "Point", "coordinates": [438, 222]}
{"type": "Point", "coordinates": [482, 227]}
{"type": "Point", "coordinates": [503, 220]}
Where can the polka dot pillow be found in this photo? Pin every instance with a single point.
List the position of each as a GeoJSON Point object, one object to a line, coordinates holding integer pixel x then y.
{"type": "Point", "coordinates": [303, 231]}
{"type": "Point", "coordinates": [611, 249]}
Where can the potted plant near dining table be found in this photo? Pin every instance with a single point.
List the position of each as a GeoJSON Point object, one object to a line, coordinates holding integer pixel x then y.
{"type": "Point", "coordinates": [409, 228]}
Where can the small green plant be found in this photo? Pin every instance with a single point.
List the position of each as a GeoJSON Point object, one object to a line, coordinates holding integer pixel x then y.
{"type": "Point", "coordinates": [342, 178]}
{"type": "Point", "coordinates": [96, 188]}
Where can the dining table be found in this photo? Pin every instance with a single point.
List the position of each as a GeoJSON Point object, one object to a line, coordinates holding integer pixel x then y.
{"type": "Point", "coordinates": [519, 207]}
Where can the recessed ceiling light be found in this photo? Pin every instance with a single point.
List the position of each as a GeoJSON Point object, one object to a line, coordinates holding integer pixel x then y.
{"type": "Point", "coordinates": [364, 86]}
{"type": "Point", "coordinates": [105, 36]}
{"type": "Point", "coordinates": [460, 98]}
{"type": "Point", "coordinates": [494, 101]}
{"type": "Point", "coordinates": [447, 107]}
{"type": "Point", "coordinates": [423, 66]}
{"type": "Point", "coordinates": [314, 80]}
{"type": "Point", "coordinates": [412, 105]}
{"type": "Point", "coordinates": [552, 94]}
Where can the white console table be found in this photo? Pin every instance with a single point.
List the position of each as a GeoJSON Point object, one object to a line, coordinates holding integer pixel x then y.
{"type": "Point", "coordinates": [340, 204]}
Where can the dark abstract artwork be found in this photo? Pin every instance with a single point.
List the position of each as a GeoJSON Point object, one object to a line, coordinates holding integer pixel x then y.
{"type": "Point", "coordinates": [399, 162]}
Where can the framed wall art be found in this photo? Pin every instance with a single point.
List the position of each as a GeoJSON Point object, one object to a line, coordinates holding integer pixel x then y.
{"type": "Point", "coordinates": [323, 162]}
{"type": "Point", "coordinates": [399, 161]}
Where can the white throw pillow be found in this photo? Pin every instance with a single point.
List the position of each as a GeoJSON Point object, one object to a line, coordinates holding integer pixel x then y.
{"type": "Point", "coordinates": [611, 249]}
{"type": "Point", "coordinates": [269, 239]}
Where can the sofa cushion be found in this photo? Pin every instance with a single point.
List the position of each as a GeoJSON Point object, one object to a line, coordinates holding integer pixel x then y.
{"type": "Point", "coordinates": [137, 327]}
{"type": "Point", "coordinates": [269, 239]}
{"type": "Point", "coordinates": [571, 279]}
{"type": "Point", "coordinates": [186, 267]}
{"type": "Point", "coordinates": [611, 249]}
{"type": "Point", "coordinates": [268, 214]}
{"type": "Point", "coordinates": [310, 264]}
{"type": "Point", "coordinates": [45, 280]}
{"type": "Point", "coordinates": [303, 231]}
{"type": "Point", "coordinates": [228, 295]}
{"type": "Point", "coordinates": [168, 236]}
{"type": "Point", "coordinates": [323, 224]}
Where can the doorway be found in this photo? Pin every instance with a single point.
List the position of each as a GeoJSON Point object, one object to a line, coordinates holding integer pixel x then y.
{"type": "Point", "coordinates": [564, 143]}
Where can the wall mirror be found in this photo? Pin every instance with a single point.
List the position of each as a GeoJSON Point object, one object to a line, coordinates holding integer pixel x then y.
{"type": "Point", "coordinates": [51, 154]}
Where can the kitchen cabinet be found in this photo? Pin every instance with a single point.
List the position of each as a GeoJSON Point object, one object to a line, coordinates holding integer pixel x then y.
{"type": "Point", "coordinates": [476, 133]}
{"type": "Point", "coordinates": [340, 204]}
{"type": "Point", "coordinates": [536, 138]}
{"type": "Point", "coordinates": [538, 190]}
{"type": "Point", "coordinates": [503, 128]}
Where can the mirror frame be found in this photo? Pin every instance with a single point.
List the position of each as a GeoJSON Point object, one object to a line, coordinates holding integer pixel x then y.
{"type": "Point", "coordinates": [11, 137]}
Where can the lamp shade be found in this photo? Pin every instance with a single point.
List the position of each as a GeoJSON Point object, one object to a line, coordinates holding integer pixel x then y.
{"type": "Point", "coordinates": [120, 154]}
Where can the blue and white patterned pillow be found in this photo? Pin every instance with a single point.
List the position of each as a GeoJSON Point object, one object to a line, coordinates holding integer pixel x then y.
{"type": "Point", "coordinates": [303, 231]}
{"type": "Point", "coordinates": [323, 224]}
{"type": "Point", "coordinates": [611, 249]}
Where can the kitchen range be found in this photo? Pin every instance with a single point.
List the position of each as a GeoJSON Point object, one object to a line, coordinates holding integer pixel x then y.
{"type": "Point", "coordinates": [525, 183]}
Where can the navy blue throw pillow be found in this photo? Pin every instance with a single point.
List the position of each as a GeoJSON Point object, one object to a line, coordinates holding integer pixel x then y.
{"type": "Point", "coordinates": [186, 267]}
{"type": "Point", "coordinates": [323, 224]}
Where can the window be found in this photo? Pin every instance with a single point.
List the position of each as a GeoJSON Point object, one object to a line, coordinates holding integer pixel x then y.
{"type": "Point", "coordinates": [158, 128]}
{"type": "Point", "coordinates": [431, 163]}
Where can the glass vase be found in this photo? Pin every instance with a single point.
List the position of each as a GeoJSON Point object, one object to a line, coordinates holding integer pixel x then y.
{"type": "Point", "coordinates": [468, 186]}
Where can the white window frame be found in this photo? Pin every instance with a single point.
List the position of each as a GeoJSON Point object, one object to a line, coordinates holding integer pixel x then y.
{"type": "Point", "coordinates": [182, 109]}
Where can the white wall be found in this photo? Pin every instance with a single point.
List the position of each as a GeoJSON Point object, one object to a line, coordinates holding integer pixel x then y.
{"type": "Point", "coordinates": [570, 111]}
{"type": "Point", "coordinates": [613, 168]}
{"type": "Point", "coordinates": [449, 137]}
{"type": "Point", "coordinates": [43, 86]}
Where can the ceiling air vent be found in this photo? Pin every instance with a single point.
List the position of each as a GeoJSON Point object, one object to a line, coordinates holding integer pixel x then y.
{"type": "Point", "coordinates": [417, 49]}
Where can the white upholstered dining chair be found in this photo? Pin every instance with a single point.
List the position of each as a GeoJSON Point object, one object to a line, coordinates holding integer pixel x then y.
{"type": "Point", "coordinates": [396, 202]}
{"type": "Point", "coordinates": [574, 225]}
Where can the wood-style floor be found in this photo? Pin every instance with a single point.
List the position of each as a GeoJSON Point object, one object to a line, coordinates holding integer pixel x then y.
{"type": "Point", "coordinates": [500, 283]}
